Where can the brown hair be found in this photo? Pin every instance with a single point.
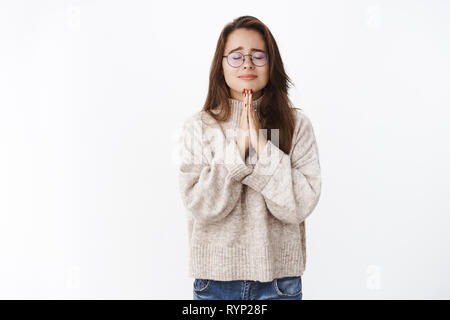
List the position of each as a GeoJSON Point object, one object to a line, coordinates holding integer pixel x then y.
{"type": "Point", "coordinates": [275, 110]}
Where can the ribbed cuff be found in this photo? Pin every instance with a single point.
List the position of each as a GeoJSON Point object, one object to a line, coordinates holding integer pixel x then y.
{"type": "Point", "coordinates": [234, 162]}
{"type": "Point", "coordinates": [268, 162]}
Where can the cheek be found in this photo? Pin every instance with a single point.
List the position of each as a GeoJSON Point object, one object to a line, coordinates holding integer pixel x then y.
{"type": "Point", "coordinates": [226, 72]}
{"type": "Point", "coordinates": [229, 70]}
{"type": "Point", "coordinates": [265, 76]}
{"type": "Point", "coordinates": [229, 75]}
{"type": "Point", "coordinates": [266, 72]}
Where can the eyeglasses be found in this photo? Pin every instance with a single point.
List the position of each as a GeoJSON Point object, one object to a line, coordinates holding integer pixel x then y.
{"type": "Point", "coordinates": [236, 59]}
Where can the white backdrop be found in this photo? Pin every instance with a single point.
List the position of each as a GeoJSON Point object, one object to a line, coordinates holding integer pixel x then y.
{"type": "Point", "coordinates": [92, 98]}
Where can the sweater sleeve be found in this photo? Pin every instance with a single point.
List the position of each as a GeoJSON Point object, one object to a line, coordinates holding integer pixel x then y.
{"type": "Point", "coordinates": [210, 186]}
{"type": "Point", "coordinates": [291, 186]}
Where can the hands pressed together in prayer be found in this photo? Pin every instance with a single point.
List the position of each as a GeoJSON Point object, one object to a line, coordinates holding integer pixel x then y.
{"type": "Point", "coordinates": [249, 128]}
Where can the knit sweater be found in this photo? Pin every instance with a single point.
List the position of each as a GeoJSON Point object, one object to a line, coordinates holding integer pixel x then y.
{"type": "Point", "coordinates": [246, 218]}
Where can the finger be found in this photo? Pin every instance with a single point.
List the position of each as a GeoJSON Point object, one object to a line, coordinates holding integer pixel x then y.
{"type": "Point", "coordinates": [245, 102]}
{"type": "Point", "coordinates": [250, 112]}
{"type": "Point", "coordinates": [246, 112]}
{"type": "Point", "coordinates": [243, 116]}
{"type": "Point", "coordinates": [243, 92]}
{"type": "Point", "coordinates": [246, 98]}
{"type": "Point", "coordinates": [248, 101]}
{"type": "Point", "coordinates": [249, 107]}
{"type": "Point", "coordinates": [250, 119]}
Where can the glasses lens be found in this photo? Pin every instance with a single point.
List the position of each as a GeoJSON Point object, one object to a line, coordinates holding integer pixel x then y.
{"type": "Point", "coordinates": [259, 58]}
{"type": "Point", "coordinates": [235, 59]}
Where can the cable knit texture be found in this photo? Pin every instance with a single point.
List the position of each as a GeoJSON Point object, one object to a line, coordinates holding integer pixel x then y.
{"type": "Point", "coordinates": [246, 218]}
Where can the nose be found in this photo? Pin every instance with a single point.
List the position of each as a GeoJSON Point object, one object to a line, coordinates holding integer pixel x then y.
{"type": "Point", "coordinates": [248, 63]}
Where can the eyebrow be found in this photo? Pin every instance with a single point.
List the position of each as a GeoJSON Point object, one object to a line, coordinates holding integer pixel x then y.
{"type": "Point", "coordinates": [240, 48]}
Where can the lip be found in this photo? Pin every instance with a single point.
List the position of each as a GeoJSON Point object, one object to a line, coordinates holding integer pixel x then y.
{"type": "Point", "coordinates": [248, 77]}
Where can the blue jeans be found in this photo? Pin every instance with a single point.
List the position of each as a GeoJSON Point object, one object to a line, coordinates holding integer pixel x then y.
{"type": "Point", "coordinates": [286, 288]}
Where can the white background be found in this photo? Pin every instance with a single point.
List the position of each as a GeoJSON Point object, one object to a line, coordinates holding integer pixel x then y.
{"type": "Point", "coordinates": [92, 98]}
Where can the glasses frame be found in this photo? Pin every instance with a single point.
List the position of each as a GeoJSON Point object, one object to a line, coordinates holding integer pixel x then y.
{"type": "Point", "coordinates": [251, 58]}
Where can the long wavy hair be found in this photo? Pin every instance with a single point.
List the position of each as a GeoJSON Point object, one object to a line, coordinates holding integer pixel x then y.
{"type": "Point", "coordinates": [275, 110]}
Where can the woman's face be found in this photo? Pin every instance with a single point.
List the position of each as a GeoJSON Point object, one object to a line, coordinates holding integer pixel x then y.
{"type": "Point", "coordinates": [247, 39]}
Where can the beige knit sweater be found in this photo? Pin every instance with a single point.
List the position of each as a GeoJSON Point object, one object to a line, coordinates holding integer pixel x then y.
{"type": "Point", "coordinates": [246, 220]}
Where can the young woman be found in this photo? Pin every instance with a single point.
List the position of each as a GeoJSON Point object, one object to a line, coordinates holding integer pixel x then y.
{"type": "Point", "coordinates": [249, 174]}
